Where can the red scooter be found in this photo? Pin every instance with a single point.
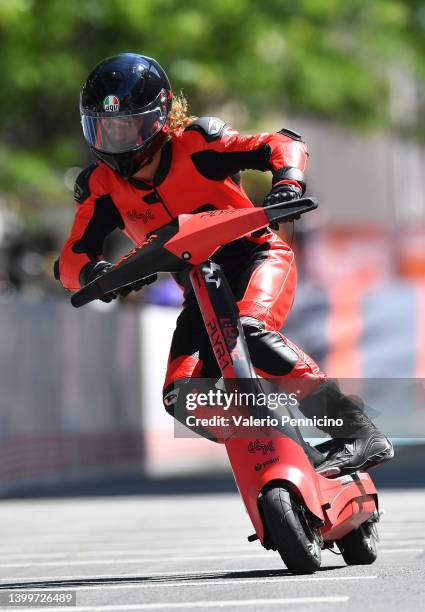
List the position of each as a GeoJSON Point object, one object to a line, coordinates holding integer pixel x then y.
{"type": "Point", "coordinates": [293, 507]}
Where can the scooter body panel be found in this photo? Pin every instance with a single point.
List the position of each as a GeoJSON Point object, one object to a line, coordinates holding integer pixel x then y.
{"type": "Point", "coordinates": [348, 501]}
{"type": "Point", "coordinates": [286, 462]}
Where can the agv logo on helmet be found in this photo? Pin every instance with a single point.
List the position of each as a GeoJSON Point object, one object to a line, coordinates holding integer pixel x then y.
{"type": "Point", "coordinates": [111, 104]}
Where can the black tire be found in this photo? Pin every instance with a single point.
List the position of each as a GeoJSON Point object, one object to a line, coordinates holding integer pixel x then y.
{"type": "Point", "coordinates": [359, 547]}
{"type": "Point", "coordinates": [296, 541]}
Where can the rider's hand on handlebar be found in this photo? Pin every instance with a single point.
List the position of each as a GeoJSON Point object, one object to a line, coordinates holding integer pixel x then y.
{"type": "Point", "coordinates": [102, 267]}
{"type": "Point", "coordinates": [280, 193]}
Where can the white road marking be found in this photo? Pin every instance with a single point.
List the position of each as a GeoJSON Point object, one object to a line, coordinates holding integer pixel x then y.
{"type": "Point", "coordinates": [400, 550]}
{"type": "Point", "coordinates": [46, 531]}
{"type": "Point", "coordinates": [145, 533]}
{"type": "Point", "coordinates": [152, 559]}
{"type": "Point", "coordinates": [398, 535]}
{"type": "Point", "coordinates": [204, 583]}
{"type": "Point", "coordinates": [185, 605]}
{"type": "Point", "coordinates": [402, 541]}
{"type": "Point", "coordinates": [113, 561]}
{"type": "Point", "coordinates": [143, 540]}
{"type": "Point", "coordinates": [145, 527]}
{"type": "Point", "coordinates": [153, 539]}
{"type": "Point", "coordinates": [138, 540]}
{"type": "Point", "coordinates": [66, 554]}
{"type": "Point", "coordinates": [125, 551]}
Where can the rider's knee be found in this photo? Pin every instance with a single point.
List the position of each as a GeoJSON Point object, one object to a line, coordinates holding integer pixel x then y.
{"type": "Point", "coordinates": [175, 409]}
{"type": "Point", "coordinates": [268, 349]}
{"type": "Point", "coordinates": [169, 399]}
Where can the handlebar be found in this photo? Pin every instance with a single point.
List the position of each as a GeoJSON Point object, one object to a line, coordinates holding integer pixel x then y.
{"type": "Point", "coordinates": [187, 241]}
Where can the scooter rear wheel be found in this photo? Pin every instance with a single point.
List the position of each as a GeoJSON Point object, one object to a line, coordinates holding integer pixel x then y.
{"type": "Point", "coordinates": [359, 547]}
{"type": "Point", "coordinates": [288, 527]}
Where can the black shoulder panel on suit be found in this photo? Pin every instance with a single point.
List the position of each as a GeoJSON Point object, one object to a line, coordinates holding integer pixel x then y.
{"type": "Point", "coordinates": [105, 219]}
{"type": "Point", "coordinates": [81, 187]}
{"type": "Point", "coordinates": [217, 166]}
{"type": "Point", "coordinates": [211, 128]}
{"type": "Point", "coordinates": [290, 133]}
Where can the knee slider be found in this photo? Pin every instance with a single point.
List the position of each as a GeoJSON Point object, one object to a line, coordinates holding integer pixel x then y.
{"type": "Point", "coordinates": [169, 398]}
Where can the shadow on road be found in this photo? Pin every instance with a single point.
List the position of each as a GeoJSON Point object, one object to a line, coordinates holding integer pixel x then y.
{"type": "Point", "coordinates": [208, 577]}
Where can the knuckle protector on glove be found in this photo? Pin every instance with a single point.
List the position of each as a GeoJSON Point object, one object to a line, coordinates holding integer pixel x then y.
{"type": "Point", "coordinates": [285, 192]}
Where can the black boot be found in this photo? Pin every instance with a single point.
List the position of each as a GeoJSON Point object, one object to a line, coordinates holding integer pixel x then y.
{"type": "Point", "coordinates": [357, 444]}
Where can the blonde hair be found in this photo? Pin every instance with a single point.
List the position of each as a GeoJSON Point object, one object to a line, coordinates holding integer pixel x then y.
{"type": "Point", "coordinates": [179, 117]}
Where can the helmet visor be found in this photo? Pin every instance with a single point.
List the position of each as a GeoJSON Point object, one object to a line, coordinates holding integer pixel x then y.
{"type": "Point", "coordinates": [124, 131]}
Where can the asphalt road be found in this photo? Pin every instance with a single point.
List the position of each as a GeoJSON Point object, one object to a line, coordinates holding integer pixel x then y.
{"type": "Point", "coordinates": [191, 553]}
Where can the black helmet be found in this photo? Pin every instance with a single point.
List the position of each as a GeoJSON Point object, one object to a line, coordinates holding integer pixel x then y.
{"type": "Point", "coordinates": [124, 106]}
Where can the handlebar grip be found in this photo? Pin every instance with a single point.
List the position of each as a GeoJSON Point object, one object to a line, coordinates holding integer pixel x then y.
{"type": "Point", "coordinates": [88, 293]}
{"type": "Point", "coordinates": [284, 211]}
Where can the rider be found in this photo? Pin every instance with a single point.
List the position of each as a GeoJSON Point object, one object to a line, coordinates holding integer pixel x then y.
{"type": "Point", "coordinates": [155, 162]}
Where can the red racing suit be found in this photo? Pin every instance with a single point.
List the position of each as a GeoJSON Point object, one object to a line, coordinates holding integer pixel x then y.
{"type": "Point", "coordinates": [199, 170]}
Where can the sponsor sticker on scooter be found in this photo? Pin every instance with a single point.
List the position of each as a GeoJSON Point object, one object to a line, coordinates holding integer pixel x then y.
{"type": "Point", "coordinates": [218, 343]}
{"type": "Point", "coordinates": [212, 277]}
{"type": "Point", "coordinates": [230, 332]}
{"type": "Point", "coordinates": [256, 445]}
{"type": "Point", "coordinates": [260, 466]}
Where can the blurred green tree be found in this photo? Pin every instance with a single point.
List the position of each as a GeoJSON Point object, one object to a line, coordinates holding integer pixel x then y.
{"type": "Point", "coordinates": [330, 58]}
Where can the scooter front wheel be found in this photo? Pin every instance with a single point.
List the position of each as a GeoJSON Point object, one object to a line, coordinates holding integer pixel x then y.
{"type": "Point", "coordinates": [286, 522]}
{"type": "Point", "coordinates": [359, 547]}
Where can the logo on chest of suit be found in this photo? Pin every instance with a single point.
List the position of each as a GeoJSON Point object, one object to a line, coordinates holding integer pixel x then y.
{"type": "Point", "coordinates": [144, 217]}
